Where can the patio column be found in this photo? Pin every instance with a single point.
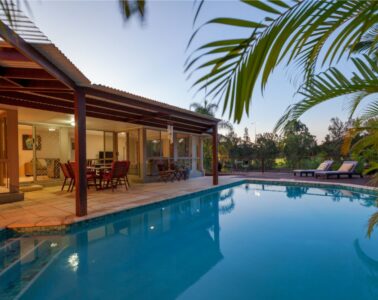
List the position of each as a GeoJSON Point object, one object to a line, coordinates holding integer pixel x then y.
{"type": "Point", "coordinates": [80, 154]}
{"type": "Point", "coordinates": [215, 154]}
{"type": "Point", "coordinates": [12, 150]}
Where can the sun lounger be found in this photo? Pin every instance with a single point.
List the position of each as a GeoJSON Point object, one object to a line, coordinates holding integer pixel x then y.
{"type": "Point", "coordinates": [348, 168]}
{"type": "Point", "coordinates": [324, 166]}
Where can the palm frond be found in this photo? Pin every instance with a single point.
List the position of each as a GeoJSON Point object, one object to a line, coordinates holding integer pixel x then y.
{"type": "Point", "coordinates": [371, 111]}
{"type": "Point", "coordinates": [372, 223]}
{"type": "Point", "coordinates": [132, 7]}
{"type": "Point", "coordinates": [293, 31]}
{"type": "Point", "coordinates": [331, 84]}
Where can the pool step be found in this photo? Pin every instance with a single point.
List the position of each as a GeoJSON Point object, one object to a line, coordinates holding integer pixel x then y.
{"type": "Point", "coordinates": [19, 270]}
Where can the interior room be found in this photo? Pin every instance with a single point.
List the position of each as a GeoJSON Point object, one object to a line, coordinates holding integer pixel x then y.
{"type": "Point", "coordinates": [49, 138]}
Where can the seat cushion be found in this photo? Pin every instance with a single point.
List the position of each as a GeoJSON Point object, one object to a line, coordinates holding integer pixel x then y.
{"type": "Point", "coordinates": [41, 163]}
{"type": "Point", "coordinates": [323, 166]}
{"type": "Point", "coordinates": [347, 167]}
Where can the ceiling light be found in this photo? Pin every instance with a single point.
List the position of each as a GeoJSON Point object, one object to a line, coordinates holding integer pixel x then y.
{"type": "Point", "coordinates": [52, 129]}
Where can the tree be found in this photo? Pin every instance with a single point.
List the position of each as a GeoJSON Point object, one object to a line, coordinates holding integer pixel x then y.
{"type": "Point", "coordinates": [246, 138]}
{"type": "Point", "coordinates": [297, 143]}
{"type": "Point", "coordinates": [365, 147]}
{"type": "Point", "coordinates": [307, 33]}
{"type": "Point", "coordinates": [266, 149]}
{"type": "Point", "coordinates": [333, 141]}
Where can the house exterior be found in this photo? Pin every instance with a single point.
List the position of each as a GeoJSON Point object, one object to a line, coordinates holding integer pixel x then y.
{"type": "Point", "coordinates": [51, 113]}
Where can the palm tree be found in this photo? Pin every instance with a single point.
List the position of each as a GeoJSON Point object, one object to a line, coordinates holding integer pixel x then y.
{"type": "Point", "coordinates": [308, 34]}
{"type": "Point", "coordinates": [209, 109]}
{"type": "Point", "coordinates": [205, 108]}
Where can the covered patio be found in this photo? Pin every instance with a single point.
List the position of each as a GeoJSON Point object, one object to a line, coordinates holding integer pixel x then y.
{"type": "Point", "coordinates": [35, 75]}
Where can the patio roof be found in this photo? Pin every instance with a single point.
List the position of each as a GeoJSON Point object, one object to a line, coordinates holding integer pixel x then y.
{"type": "Point", "coordinates": [34, 73]}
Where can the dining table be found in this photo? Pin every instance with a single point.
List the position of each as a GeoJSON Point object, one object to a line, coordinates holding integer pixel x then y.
{"type": "Point", "coordinates": [99, 171]}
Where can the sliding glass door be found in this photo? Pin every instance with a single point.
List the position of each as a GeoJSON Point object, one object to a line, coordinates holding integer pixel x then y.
{"type": "Point", "coordinates": [47, 152]}
{"type": "Point", "coordinates": [128, 149]}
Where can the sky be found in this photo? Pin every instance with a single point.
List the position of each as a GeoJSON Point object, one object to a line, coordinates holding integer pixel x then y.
{"type": "Point", "coordinates": [147, 58]}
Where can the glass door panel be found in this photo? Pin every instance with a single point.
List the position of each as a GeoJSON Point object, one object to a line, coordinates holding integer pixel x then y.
{"type": "Point", "coordinates": [47, 152]}
{"type": "Point", "coordinates": [95, 147]}
{"type": "Point", "coordinates": [121, 146]}
{"type": "Point", "coordinates": [108, 147]}
{"type": "Point", "coordinates": [25, 150]}
{"type": "Point", "coordinates": [132, 150]}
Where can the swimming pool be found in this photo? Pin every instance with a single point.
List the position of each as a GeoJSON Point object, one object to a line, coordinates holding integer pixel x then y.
{"type": "Point", "coordinates": [251, 241]}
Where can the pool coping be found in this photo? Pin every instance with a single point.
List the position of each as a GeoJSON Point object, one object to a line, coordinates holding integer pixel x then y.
{"type": "Point", "coordinates": [75, 225]}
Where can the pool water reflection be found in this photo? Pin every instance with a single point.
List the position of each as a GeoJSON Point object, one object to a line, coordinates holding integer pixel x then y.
{"type": "Point", "coordinates": [248, 242]}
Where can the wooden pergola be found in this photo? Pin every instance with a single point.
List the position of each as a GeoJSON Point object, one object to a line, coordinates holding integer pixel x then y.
{"type": "Point", "coordinates": [35, 74]}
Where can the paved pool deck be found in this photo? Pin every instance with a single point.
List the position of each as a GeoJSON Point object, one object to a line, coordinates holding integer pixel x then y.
{"type": "Point", "coordinates": [52, 208]}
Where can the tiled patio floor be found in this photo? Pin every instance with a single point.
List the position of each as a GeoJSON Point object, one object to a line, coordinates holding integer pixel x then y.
{"type": "Point", "coordinates": [51, 207]}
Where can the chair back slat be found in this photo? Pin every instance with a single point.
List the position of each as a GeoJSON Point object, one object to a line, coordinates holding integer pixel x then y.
{"type": "Point", "coordinates": [71, 169]}
{"type": "Point", "coordinates": [161, 167]}
{"type": "Point", "coordinates": [65, 171]}
{"type": "Point", "coordinates": [117, 169]}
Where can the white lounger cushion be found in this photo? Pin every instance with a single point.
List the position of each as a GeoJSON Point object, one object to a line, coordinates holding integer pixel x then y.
{"type": "Point", "coordinates": [323, 166]}
{"type": "Point", "coordinates": [347, 166]}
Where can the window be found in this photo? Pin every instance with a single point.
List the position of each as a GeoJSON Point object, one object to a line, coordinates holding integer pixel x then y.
{"type": "Point", "coordinates": [183, 145]}
{"type": "Point", "coordinates": [153, 143]}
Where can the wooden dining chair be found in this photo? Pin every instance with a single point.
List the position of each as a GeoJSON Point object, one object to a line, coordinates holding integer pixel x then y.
{"type": "Point", "coordinates": [91, 176]}
{"type": "Point", "coordinates": [71, 171]}
{"type": "Point", "coordinates": [67, 175]}
{"type": "Point", "coordinates": [127, 168]}
{"type": "Point", "coordinates": [116, 175]}
{"type": "Point", "coordinates": [165, 174]}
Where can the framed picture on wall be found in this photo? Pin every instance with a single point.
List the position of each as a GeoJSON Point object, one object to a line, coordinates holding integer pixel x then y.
{"type": "Point", "coordinates": [27, 142]}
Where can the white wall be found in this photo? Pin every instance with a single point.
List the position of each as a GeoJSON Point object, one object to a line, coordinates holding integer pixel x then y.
{"type": "Point", "coordinates": [24, 155]}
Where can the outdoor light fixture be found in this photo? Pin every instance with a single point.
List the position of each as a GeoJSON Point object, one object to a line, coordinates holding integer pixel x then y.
{"type": "Point", "coordinates": [72, 123]}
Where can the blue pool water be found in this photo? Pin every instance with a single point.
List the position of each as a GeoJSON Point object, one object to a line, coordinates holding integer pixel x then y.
{"type": "Point", "coordinates": [250, 241]}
